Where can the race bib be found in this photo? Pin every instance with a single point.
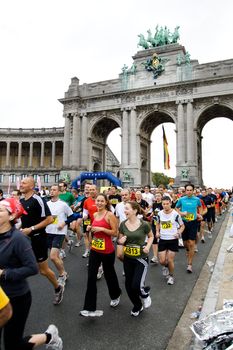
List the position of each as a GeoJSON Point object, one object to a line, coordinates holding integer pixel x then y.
{"type": "Point", "coordinates": [132, 250]}
{"type": "Point", "coordinates": [55, 220]}
{"type": "Point", "coordinates": [166, 225]}
{"type": "Point", "coordinates": [87, 222]}
{"type": "Point", "coordinates": [189, 217]}
{"type": "Point", "coordinates": [114, 201]}
{"type": "Point", "coordinates": [98, 243]}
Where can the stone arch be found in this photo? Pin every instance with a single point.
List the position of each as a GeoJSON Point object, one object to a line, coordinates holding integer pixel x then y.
{"type": "Point", "coordinates": [207, 113]}
{"type": "Point", "coordinates": [157, 116]}
{"type": "Point", "coordinates": [212, 111]}
{"type": "Point", "coordinates": [148, 123]}
{"type": "Point", "coordinates": [99, 130]}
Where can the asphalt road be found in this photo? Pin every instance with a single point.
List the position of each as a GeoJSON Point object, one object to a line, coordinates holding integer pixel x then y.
{"type": "Point", "coordinates": [116, 329]}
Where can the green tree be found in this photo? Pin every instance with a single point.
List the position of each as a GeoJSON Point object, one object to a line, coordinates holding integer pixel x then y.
{"type": "Point", "coordinates": [160, 179]}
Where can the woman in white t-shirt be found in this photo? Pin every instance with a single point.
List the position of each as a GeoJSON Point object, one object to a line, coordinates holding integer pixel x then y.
{"type": "Point", "coordinates": [169, 228]}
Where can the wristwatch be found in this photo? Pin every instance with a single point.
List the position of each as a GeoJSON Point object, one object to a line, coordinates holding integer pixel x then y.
{"type": "Point", "coordinates": [33, 228]}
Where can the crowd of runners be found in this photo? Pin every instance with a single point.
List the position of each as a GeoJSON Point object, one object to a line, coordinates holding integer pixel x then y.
{"type": "Point", "coordinates": [138, 226]}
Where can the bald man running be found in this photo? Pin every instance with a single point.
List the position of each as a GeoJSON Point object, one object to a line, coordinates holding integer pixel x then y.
{"type": "Point", "coordinates": [33, 225]}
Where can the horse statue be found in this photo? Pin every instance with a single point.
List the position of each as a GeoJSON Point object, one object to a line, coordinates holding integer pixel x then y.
{"type": "Point", "coordinates": [176, 35]}
{"type": "Point", "coordinates": [143, 42]}
{"type": "Point", "coordinates": [150, 38]}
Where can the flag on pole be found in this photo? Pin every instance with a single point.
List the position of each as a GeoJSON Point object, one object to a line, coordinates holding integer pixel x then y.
{"type": "Point", "coordinates": [166, 157]}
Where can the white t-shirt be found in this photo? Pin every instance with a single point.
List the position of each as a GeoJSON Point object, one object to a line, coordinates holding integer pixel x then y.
{"type": "Point", "coordinates": [60, 212]}
{"type": "Point", "coordinates": [120, 211]}
{"type": "Point", "coordinates": [169, 224]}
{"type": "Point", "coordinates": [149, 198]}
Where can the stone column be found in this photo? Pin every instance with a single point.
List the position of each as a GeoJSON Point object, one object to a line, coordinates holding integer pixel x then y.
{"type": "Point", "coordinates": [19, 153]}
{"type": "Point", "coordinates": [76, 141]}
{"type": "Point", "coordinates": [8, 148]}
{"type": "Point", "coordinates": [84, 143]}
{"type": "Point", "coordinates": [190, 134]}
{"type": "Point", "coordinates": [30, 154]}
{"type": "Point", "coordinates": [66, 144]}
{"type": "Point", "coordinates": [180, 135]}
{"type": "Point", "coordinates": [124, 139]}
{"type": "Point", "coordinates": [53, 153]}
{"type": "Point", "coordinates": [133, 143]}
{"type": "Point", "coordinates": [42, 154]}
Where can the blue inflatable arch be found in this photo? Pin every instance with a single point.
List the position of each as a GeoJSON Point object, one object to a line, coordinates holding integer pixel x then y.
{"type": "Point", "coordinates": [96, 176]}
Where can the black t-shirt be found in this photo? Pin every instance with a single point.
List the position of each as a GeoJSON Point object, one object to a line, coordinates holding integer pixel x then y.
{"type": "Point", "coordinates": [37, 210]}
{"type": "Point", "coordinates": [114, 199]}
{"type": "Point", "coordinates": [207, 200]}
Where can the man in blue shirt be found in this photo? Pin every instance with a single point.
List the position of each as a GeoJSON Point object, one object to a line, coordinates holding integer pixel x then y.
{"type": "Point", "coordinates": [188, 207]}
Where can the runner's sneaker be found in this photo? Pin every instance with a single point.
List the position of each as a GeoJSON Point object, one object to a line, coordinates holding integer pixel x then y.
{"type": "Point", "coordinates": [195, 249]}
{"type": "Point", "coordinates": [170, 280]}
{"type": "Point", "coordinates": [96, 313]}
{"type": "Point", "coordinates": [210, 234]}
{"type": "Point", "coordinates": [78, 244]}
{"type": "Point", "coordinates": [100, 272]}
{"type": "Point", "coordinates": [165, 271]}
{"type": "Point", "coordinates": [115, 302]}
{"type": "Point", "coordinates": [70, 244]}
{"type": "Point", "coordinates": [189, 269]}
{"type": "Point", "coordinates": [86, 254]}
{"type": "Point", "coordinates": [62, 254]}
{"type": "Point", "coordinates": [62, 279]}
{"type": "Point", "coordinates": [154, 260]}
{"type": "Point", "coordinates": [146, 302]}
{"type": "Point", "coordinates": [59, 295]}
{"type": "Point", "coordinates": [55, 342]}
{"type": "Point", "coordinates": [136, 313]}
{"type": "Point", "coordinates": [203, 240]}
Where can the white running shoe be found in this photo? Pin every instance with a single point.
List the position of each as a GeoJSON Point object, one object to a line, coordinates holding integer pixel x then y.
{"type": "Point", "coordinates": [78, 244]}
{"type": "Point", "coordinates": [115, 302]}
{"type": "Point", "coordinates": [62, 279]}
{"type": "Point", "coordinates": [154, 260]}
{"type": "Point", "coordinates": [55, 342]}
{"type": "Point", "coordinates": [62, 254]}
{"type": "Point", "coordinates": [146, 302]}
{"type": "Point", "coordinates": [86, 254]}
{"type": "Point", "coordinates": [96, 313]}
{"type": "Point", "coordinates": [170, 280]}
{"type": "Point", "coordinates": [165, 271]}
{"type": "Point", "coordinates": [100, 272]}
{"type": "Point", "coordinates": [136, 313]}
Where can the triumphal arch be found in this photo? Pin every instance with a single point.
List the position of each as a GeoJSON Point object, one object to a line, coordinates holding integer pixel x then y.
{"type": "Point", "coordinates": [163, 85]}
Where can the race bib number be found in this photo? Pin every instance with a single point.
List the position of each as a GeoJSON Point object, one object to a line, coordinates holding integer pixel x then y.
{"type": "Point", "coordinates": [98, 243]}
{"type": "Point", "coordinates": [55, 220]}
{"type": "Point", "coordinates": [166, 225]}
{"type": "Point", "coordinates": [132, 250]}
{"type": "Point", "coordinates": [114, 201]}
{"type": "Point", "coordinates": [87, 222]}
{"type": "Point", "coordinates": [189, 217]}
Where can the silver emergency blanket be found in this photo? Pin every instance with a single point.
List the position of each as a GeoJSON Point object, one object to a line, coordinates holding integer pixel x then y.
{"type": "Point", "coordinates": [219, 322]}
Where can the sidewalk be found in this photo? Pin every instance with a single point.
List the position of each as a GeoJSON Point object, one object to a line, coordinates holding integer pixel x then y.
{"type": "Point", "coordinates": [211, 288]}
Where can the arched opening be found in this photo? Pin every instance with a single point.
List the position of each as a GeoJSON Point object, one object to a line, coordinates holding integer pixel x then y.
{"type": "Point", "coordinates": [96, 167]}
{"type": "Point", "coordinates": [215, 131]}
{"type": "Point", "coordinates": [216, 153]}
{"type": "Point", "coordinates": [106, 146]}
{"type": "Point", "coordinates": [151, 145]}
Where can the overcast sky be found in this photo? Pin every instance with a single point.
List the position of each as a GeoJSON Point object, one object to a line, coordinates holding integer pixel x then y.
{"type": "Point", "coordinates": [45, 43]}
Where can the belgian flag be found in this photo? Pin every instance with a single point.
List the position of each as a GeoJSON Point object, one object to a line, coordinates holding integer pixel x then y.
{"type": "Point", "coordinates": [166, 157]}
